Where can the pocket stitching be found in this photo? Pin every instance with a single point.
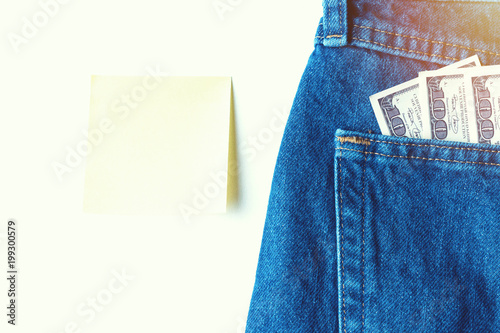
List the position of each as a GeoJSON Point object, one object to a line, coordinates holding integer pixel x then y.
{"type": "Point", "coordinates": [363, 250]}
{"type": "Point", "coordinates": [407, 50]}
{"type": "Point", "coordinates": [342, 242]}
{"type": "Point", "coordinates": [433, 146]}
{"type": "Point", "coordinates": [427, 40]}
{"type": "Point", "coordinates": [419, 158]}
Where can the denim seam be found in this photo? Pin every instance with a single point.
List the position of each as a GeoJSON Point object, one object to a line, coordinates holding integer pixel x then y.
{"type": "Point", "coordinates": [420, 158]}
{"type": "Point", "coordinates": [329, 10]}
{"type": "Point", "coordinates": [342, 242]}
{"type": "Point", "coordinates": [327, 32]}
{"type": "Point", "coordinates": [363, 248]}
{"type": "Point", "coordinates": [432, 146]}
{"type": "Point", "coordinates": [340, 18]}
{"type": "Point", "coordinates": [406, 50]}
{"type": "Point", "coordinates": [427, 40]}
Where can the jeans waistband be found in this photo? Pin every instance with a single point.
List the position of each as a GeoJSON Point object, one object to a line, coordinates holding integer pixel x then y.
{"type": "Point", "coordinates": [440, 31]}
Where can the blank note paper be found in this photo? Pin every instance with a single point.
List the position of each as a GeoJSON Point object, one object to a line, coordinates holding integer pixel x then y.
{"type": "Point", "coordinates": [159, 145]}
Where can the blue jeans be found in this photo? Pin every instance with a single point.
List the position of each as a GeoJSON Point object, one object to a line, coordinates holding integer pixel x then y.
{"type": "Point", "coordinates": [371, 233]}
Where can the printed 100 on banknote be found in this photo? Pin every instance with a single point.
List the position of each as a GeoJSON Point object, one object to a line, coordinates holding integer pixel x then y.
{"type": "Point", "coordinates": [483, 102]}
{"type": "Point", "coordinates": [462, 105]}
{"type": "Point", "coordinates": [399, 110]}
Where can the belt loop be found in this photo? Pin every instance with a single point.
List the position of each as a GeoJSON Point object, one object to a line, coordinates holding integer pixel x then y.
{"type": "Point", "coordinates": [335, 22]}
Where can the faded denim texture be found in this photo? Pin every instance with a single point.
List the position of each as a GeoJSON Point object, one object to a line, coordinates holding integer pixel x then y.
{"type": "Point", "coordinates": [370, 233]}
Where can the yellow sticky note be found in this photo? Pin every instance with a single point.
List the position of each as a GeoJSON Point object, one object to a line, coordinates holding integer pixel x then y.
{"type": "Point", "coordinates": [158, 145]}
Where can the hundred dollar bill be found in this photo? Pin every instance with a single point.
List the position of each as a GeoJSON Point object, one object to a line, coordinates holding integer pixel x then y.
{"type": "Point", "coordinates": [398, 109]}
{"type": "Point", "coordinates": [483, 102]}
{"type": "Point", "coordinates": [445, 115]}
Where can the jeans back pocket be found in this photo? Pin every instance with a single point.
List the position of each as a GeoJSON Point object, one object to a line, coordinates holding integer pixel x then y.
{"type": "Point", "coordinates": [418, 234]}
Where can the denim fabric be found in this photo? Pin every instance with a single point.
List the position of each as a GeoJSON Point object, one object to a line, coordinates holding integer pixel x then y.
{"type": "Point", "coordinates": [370, 233]}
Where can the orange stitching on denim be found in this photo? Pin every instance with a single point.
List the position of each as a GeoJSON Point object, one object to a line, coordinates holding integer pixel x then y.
{"type": "Point", "coordinates": [433, 146]}
{"type": "Point", "coordinates": [427, 40]}
{"type": "Point", "coordinates": [399, 48]}
{"type": "Point", "coordinates": [363, 251]}
{"type": "Point", "coordinates": [333, 35]}
{"type": "Point", "coordinates": [342, 241]}
{"type": "Point", "coordinates": [329, 36]}
{"type": "Point", "coordinates": [420, 158]}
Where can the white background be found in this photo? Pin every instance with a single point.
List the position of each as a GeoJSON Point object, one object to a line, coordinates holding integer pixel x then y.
{"type": "Point", "coordinates": [195, 277]}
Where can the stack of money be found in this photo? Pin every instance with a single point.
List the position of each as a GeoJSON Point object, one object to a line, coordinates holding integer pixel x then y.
{"type": "Point", "coordinates": [460, 102]}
